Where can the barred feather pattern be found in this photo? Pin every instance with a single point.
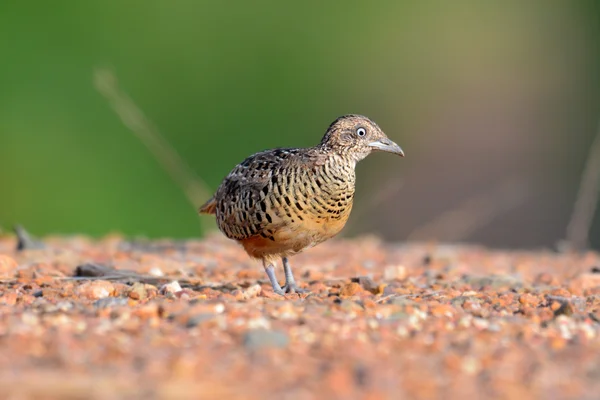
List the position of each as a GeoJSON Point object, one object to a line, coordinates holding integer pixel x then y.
{"type": "Point", "coordinates": [278, 202]}
{"type": "Point", "coordinates": [276, 193]}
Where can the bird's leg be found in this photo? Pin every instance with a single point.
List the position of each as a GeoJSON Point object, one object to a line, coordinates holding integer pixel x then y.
{"type": "Point", "coordinates": [290, 283]}
{"type": "Point", "coordinates": [270, 270]}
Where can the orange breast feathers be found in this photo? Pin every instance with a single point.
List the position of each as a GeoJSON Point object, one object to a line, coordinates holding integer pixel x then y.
{"type": "Point", "coordinates": [292, 238]}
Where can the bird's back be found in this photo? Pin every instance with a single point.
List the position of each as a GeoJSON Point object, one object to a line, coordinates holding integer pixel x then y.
{"type": "Point", "coordinates": [281, 201]}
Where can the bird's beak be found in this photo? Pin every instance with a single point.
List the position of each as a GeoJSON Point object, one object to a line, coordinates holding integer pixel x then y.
{"type": "Point", "coordinates": [386, 144]}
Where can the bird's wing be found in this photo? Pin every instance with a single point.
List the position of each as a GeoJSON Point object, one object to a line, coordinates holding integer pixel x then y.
{"type": "Point", "coordinates": [252, 173]}
{"type": "Point", "coordinates": [239, 203]}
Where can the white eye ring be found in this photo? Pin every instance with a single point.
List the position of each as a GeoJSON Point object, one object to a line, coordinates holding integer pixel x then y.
{"type": "Point", "coordinates": [361, 132]}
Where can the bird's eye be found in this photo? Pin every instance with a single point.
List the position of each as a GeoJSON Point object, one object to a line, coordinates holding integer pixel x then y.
{"type": "Point", "coordinates": [361, 132]}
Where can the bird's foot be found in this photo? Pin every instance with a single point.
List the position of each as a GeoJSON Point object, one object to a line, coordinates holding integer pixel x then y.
{"type": "Point", "coordinates": [290, 284]}
{"type": "Point", "coordinates": [289, 289]}
{"type": "Point", "coordinates": [292, 288]}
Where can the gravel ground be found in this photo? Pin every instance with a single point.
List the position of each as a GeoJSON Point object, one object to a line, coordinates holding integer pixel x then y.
{"type": "Point", "coordinates": [109, 319]}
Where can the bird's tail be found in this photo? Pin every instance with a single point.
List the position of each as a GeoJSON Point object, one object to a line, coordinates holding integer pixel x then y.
{"type": "Point", "coordinates": [209, 207]}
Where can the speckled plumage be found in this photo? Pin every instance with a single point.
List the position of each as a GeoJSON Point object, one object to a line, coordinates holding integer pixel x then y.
{"type": "Point", "coordinates": [278, 202]}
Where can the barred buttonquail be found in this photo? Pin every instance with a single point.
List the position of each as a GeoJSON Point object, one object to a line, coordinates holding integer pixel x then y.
{"type": "Point", "coordinates": [279, 202]}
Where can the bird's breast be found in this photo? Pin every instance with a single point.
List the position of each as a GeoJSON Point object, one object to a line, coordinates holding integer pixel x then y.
{"type": "Point", "coordinates": [318, 200]}
{"type": "Point", "coordinates": [298, 206]}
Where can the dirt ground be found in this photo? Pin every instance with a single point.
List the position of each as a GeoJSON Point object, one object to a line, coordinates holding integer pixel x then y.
{"type": "Point", "coordinates": [110, 319]}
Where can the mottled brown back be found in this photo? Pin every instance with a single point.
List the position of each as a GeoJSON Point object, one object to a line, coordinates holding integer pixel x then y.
{"type": "Point", "coordinates": [284, 200]}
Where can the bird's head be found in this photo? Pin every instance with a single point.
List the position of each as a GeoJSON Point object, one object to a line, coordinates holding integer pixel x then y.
{"type": "Point", "coordinates": [357, 136]}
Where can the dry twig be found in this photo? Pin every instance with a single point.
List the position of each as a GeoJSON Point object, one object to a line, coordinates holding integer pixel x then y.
{"type": "Point", "coordinates": [194, 188]}
{"type": "Point", "coordinates": [581, 220]}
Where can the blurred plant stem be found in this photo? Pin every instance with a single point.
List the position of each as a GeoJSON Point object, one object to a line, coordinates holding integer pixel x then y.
{"type": "Point", "coordinates": [195, 189]}
{"type": "Point", "coordinates": [581, 220]}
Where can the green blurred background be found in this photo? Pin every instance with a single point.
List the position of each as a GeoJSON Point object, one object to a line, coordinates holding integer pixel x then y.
{"type": "Point", "coordinates": [495, 103]}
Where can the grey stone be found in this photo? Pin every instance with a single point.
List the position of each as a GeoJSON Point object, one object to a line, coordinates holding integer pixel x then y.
{"type": "Point", "coordinates": [262, 338]}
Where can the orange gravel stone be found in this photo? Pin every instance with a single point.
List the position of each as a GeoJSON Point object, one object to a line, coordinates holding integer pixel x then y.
{"type": "Point", "coordinates": [350, 289]}
{"type": "Point", "coordinates": [442, 310]}
{"type": "Point", "coordinates": [529, 300]}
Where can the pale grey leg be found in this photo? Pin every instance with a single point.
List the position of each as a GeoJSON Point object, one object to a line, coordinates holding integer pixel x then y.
{"type": "Point", "coordinates": [270, 270]}
{"type": "Point", "coordinates": [290, 283]}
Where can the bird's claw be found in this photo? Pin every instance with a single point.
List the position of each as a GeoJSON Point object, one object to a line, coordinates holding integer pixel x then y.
{"type": "Point", "coordinates": [289, 289]}
{"type": "Point", "coordinates": [292, 288]}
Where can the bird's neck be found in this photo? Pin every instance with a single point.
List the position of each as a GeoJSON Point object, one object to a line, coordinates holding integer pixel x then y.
{"type": "Point", "coordinates": [340, 162]}
{"type": "Point", "coordinates": [338, 157]}
{"type": "Point", "coordinates": [340, 172]}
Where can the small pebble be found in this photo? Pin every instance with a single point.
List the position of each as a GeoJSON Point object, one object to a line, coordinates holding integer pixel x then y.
{"type": "Point", "coordinates": [350, 289]}
{"type": "Point", "coordinates": [394, 272]}
{"type": "Point", "coordinates": [95, 290]}
{"type": "Point", "coordinates": [171, 287]}
{"type": "Point", "coordinates": [109, 302]}
{"type": "Point", "coordinates": [261, 338]}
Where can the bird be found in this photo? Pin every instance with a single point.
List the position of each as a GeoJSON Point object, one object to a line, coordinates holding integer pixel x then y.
{"type": "Point", "coordinates": [279, 202]}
